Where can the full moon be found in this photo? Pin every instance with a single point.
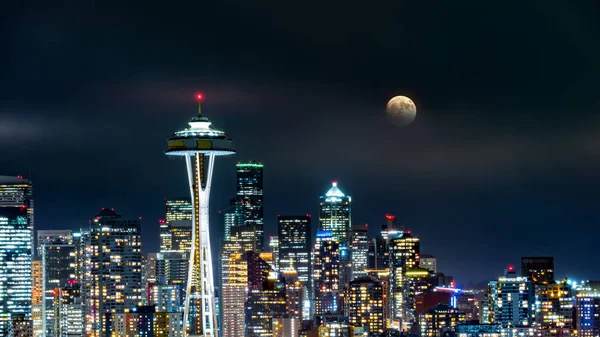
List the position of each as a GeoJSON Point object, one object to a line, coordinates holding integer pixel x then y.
{"type": "Point", "coordinates": [401, 111]}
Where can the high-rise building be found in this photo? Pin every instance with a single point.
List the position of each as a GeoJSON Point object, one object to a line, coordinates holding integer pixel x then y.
{"type": "Point", "coordinates": [37, 289]}
{"type": "Point", "coordinates": [428, 262]}
{"type": "Point", "coordinates": [166, 298]}
{"type": "Point", "coordinates": [511, 300]}
{"type": "Point", "coordinates": [233, 290]}
{"type": "Point", "coordinates": [404, 255]}
{"type": "Point", "coordinates": [539, 270]}
{"type": "Point", "coordinates": [232, 216]}
{"type": "Point", "coordinates": [326, 274]}
{"type": "Point", "coordinates": [266, 297]}
{"type": "Point", "coordinates": [334, 213]}
{"type": "Point", "coordinates": [441, 316]}
{"type": "Point", "coordinates": [58, 267]}
{"type": "Point", "coordinates": [20, 326]}
{"type": "Point", "coordinates": [178, 209]}
{"type": "Point", "coordinates": [587, 309]}
{"type": "Point", "coordinates": [51, 236]}
{"type": "Point", "coordinates": [112, 273]}
{"type": "Point", "coordinates": [68, 311]}
{"type": "Point", "coordinates": [554, 309]}
{"type": "Point", "coordinates": [364, 304]}
{"type": "Point", "coordinates": [294, 234]}
{"type": "Point", "coordinates": [378, 254]}
{"type": "Point", "coordinates": [274, 248]}
{"type": "Point", "coordinates": [250, 191]}
{"type": "Point", "coordinates": [359, 250]}
{"type": "Point", "coordinates": [286, 326]}
{"type": "Point", "coordinates": [16, 250]}
{"type": "Point", "coordinates": [172, 269]}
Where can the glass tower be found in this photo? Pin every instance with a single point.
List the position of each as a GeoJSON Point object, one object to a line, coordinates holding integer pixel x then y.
{"type": "Point", "coordinates": [16, 248]}
{"type": "Point", "coordinates": [250, 190]}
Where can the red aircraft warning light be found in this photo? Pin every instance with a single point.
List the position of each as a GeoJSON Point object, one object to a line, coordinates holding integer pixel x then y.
{"type": "Point", "coordinates": [199, 97]}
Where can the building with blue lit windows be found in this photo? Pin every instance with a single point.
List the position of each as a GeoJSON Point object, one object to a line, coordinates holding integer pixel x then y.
{"type": "Point", "coordinates": [334, 213]}
{"type": "Point", "coordinates": [16, 238]}
{"type": "Point", "coordinates": [587, 304]}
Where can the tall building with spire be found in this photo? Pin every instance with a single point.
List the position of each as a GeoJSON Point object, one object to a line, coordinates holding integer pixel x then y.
{"type": "Point", "coordinates": [334, 213]}
{"type": "Point", "coordinates": [16, 250]}
{"type": "Point", "coordinates": [250, 191]}
{"type": "Point", "coordinates": [200, 144]}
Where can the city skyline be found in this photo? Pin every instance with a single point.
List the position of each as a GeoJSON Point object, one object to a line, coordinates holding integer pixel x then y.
{"type": "Point", "coordinates": [502, 155]}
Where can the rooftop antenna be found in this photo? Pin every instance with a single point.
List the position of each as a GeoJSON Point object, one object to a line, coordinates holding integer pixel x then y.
{"type": "Point", "coordinates": [199, 98]}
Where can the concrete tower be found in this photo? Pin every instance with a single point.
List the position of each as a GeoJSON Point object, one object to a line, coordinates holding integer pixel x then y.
{"type": "Point", "coordinates": [200, 144]}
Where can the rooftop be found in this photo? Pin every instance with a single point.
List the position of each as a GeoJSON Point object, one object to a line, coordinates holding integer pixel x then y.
{"type": "Point", "coordinates": [14, 180]}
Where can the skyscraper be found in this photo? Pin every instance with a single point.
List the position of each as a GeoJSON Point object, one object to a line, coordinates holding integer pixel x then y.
{"type": "Point", "coordinates": [200, 144]}
{"type": "Point", "coordinates": [511, 300]}
{"type": "Point", "coordinates": [50, 236]}
{"type": "Point", "coordinates": [326, 274]}
{"type": "Point", "coordinates": [233, 295]}
{"type": "Point", "coordinates": [294, 234]}
{"type": "Point", "coordinates": [68, 311]}
{"type": "Point", "coordinates": [178, 209]}
{"type": "Point", "coordinates": [58, 267]}
{"type": "Point", "coordinates": [16, 250]}
{"type": "Point", "coordinates": [112, 273]}
{"type": "Point", "coordinates": [334, 213]}
{"type": "Point", "coordinates": [266, 297]}
{"type": "Point", "coordinates": [359, 250]}
{"type": "Point", "coordinates": [364, 304]}
{"type": "Point", "coordinates": [37, 296]}
{"type": "Point", "coordinates": [404, 255]}
{"type": "Point", "coordinates": [554, 309]}
{"type": "Point", "coordinates": [540, 270]}
{"type": "Point", "coordinates": [250, 191]}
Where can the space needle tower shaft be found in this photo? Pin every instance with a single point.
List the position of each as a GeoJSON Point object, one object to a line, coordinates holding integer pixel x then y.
{"type": "Point", "coordinates": [200, 144]}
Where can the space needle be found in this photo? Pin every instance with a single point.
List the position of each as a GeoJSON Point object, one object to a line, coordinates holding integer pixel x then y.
{"type": "Point", "coordinates": [200, 144]}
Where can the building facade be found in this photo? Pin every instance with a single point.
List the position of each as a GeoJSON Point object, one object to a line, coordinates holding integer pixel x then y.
{"type": "Point", "coordinates": [294, 233]}
{"type": "Point", "coordinates": [112, 275]}
{"type": "Point", "coordinates": [511, 300]}
{"type": "Point", "coordinates": [250, 191]}
{"type": "Point", "coordinates": [16, 251]}
{"type": "Point", "coordinates": [359, 251]}
{"type": "Point", "coordinates": [539, 270]}
{"type": "Point", "coordinates": [364, 303]}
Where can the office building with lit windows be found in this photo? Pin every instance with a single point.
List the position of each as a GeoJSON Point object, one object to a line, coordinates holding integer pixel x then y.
{"type": "Point", "coordinates": [359, 250]}
{"type": "Point", "coordinates": [364, 305]}
{"type": "Point", "coordinates": [50, 236]}
{"type": "Point", "coordinates": [250, 191]}
{"type": "Point", "coordinates": [294, 233]}
{"type": "Point", "coordinates": [404, 255]}
{"type": "Point", "coordinates": [440, 317]}
{"type": "Point", "coordinates": [36, 296]}
{"type": "Point", "coordinates": [58, 267]}
{"type": "Point", "coordinates": [233, 289]}
{"type": "Point", "coordinates": [334, 213]}
{"type": "Point", "coordinates": [16, 251]}
{"type": "Point", "coordinates": [112, 274]}
{"type": "Point", "coordinates": [68, 311]}
{"type": "Point", "coordinates": [428, 262]}
{"type": "Point", "coordinates": [178, 209]}
{"type": "Point", "coordinates": [326, 274]}
{"type": "Point", "coordinates": [554, 309]}
{"type": "Point", "coordinates": [511, 300]}
{"type": "Point", "coordinates": [539, 270]}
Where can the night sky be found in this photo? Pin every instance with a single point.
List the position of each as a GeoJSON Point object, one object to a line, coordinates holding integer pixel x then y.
{"type": "Point", "coordinates": [502, 161]}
